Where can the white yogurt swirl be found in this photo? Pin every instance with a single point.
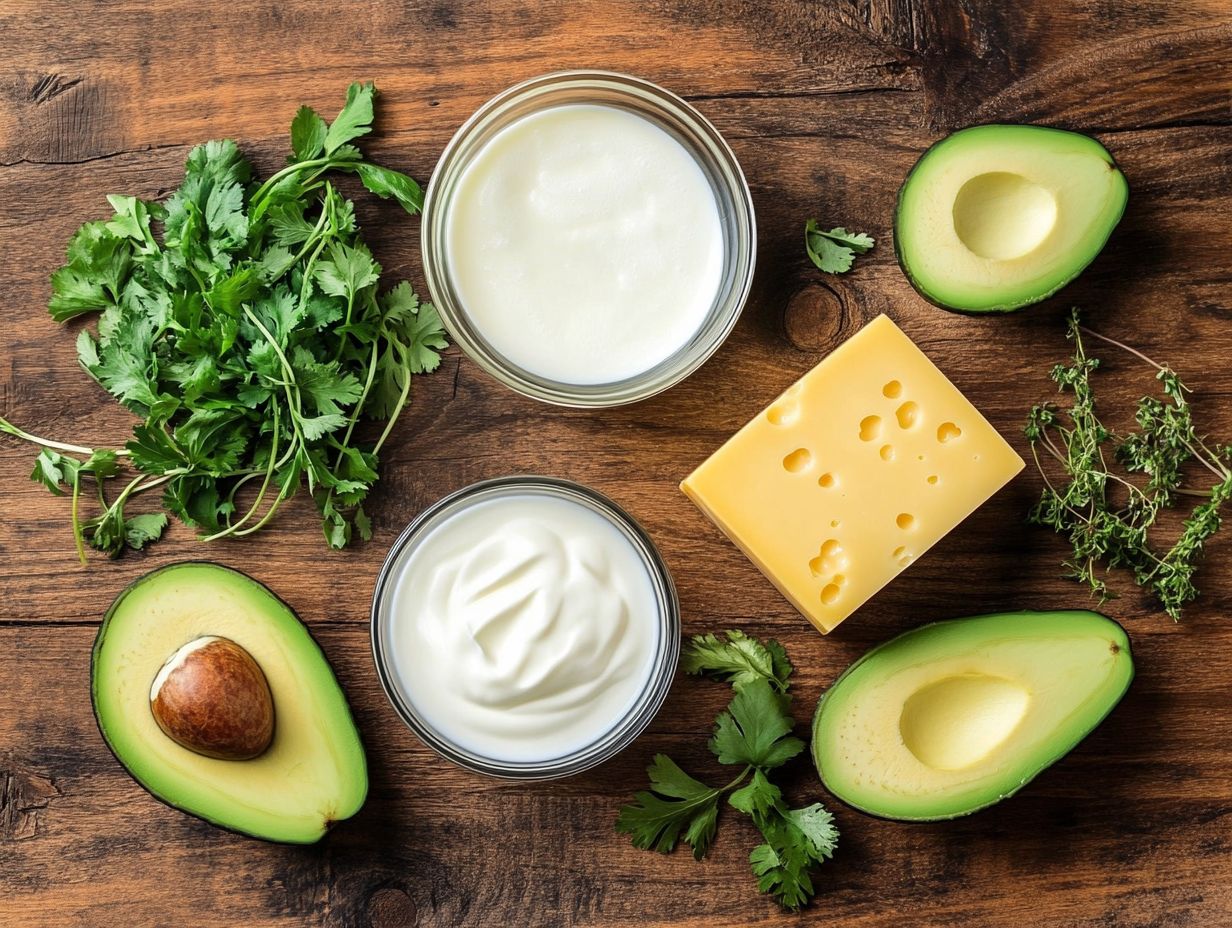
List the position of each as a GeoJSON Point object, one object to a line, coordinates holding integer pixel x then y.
{"type": "Point", "coordinates": [524, 627]}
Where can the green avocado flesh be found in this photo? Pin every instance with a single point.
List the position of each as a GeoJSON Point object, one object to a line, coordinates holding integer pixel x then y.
{"type": "Point", "coordinates": [953, 717]}
{"type": "Point", "coordinates": [994, 218]}
{"type": "Point", "coordinates": [314, 772]}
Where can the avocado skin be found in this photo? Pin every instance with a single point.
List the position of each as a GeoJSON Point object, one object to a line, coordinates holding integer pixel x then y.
{"type": "Point", "coordinates": [1003, 309]}
{"type": "Point", "coordinates": [1026, 780]}
{"type": "Point", "coordinates": [94, 653]}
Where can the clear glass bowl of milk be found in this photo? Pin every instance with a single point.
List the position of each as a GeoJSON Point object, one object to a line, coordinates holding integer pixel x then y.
{"type": "Point", "coordinates": [525, 627]}
{"type": "Point", "coordinates": [589, 238]}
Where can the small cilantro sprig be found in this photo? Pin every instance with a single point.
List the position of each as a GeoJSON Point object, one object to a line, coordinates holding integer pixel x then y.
{"type": "Point", "coordinates": [835, 251]}
{"type": "Point", "coordinates": [753, 733]}
{"type": "Point", "coordinates": [245, 326]}
{"type": "Point", "coordinates": [1109, 518]}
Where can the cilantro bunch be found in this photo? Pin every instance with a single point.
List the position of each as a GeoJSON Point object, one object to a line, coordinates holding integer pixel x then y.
{"type": "Point", "coordinates": [245, 325]}
{"type": "Point", "coordinates": [753, 734]}
{"type": "Point", "coordinates": [1111, 518]}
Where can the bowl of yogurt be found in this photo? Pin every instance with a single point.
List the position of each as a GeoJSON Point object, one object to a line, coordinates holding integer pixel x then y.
{"type": "Point", "coordinates": [525, 627]}
{"type": "Point", "coordinates": [589, 238]}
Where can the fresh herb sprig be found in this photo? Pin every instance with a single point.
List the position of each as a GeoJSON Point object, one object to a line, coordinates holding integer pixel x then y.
{"type": "Point", "coordinates": [835, 251]}
{"type": "Point", "coordinates": [244, 325]}
{"type": "Point", "coordinates": [753, 734]}
{"type": "Point", "coordinates": [1110, 519]}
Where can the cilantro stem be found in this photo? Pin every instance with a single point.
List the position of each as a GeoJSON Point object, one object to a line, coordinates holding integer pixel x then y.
{"type": "Point", "coordinates": [269, 472]}
{"type": "Point", "coordinates": [313, 238]}
{"type": "Point", "coordinates": [78, 534]}
{"type": "Point", "coordinates": [288, 371]}
{"type": "Point", "coordinates": [255, 203]}
{"type": "Point", "coordinates": [402, 397]}
{"type": "Point", "coordinates": [278, 500]}
{"type": "Point", "coordinates": [354, 416]}
{"type": "Point", "coordinates": [11, 429]}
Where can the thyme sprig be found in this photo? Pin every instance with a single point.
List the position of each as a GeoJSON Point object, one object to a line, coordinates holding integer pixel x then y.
{"type": "Point", "coordinates": [1110, 518]}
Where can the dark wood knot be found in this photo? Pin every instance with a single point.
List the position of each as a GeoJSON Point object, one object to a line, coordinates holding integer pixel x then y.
{"type": "Point", "coordinates": [391, 908]}
{"type": "Point", "coordinates": [813, 318]}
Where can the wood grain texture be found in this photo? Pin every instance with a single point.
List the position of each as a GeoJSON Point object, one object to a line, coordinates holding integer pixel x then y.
{"type": "Point", "coordinates": [826, 105]}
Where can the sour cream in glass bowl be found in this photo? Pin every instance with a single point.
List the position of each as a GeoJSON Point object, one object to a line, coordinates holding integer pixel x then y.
{"type": "Point", "coordinates": [525, 628]}
{"type": "Point", "coordinates": [589, 238]}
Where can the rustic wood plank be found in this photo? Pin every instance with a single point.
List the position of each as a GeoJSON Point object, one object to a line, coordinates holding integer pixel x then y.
{"type": "Point", "coordinates": [827, 106]}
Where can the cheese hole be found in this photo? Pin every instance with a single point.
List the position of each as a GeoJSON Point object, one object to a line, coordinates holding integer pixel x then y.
{"type": "Point", "coordinates": [905, 521]}
{"type": "Point", "coordinates": [835, 523]}
{"type": "Point", "coordinates": [798, 460]}
{"type": "Point", "coordinates": [892, 390]}
{"type": "Point", "coordinates": [829, 557]}
{"type": "Point", "coordinates": [830, 593]}
{"type": "Point", "coordinates": [933, 479]}
{"type": "Point", "coordinates": [840, 579]}
{"type": "Point", "coordinates": [783, 413]}
{"type": "Point", "coordinates": [870, 428]}
{"type": "Point", "coordinates": [826, 480]}
{"type": "Point", "coordinates": [947, 431]}
{"type": "Point", "coordinates": [887, 452]}
{"type": "Point", "coordinates": [907, 414]}
{"type": "Point", "coordinates": [902, 555]}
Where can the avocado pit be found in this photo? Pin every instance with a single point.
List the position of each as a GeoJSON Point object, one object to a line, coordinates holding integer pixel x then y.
{"type": "Point", "coordinates": [212, 698]}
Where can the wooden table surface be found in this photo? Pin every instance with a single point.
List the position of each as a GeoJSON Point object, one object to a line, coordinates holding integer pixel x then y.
{"type": "Point", "coordinates": [827, 104]}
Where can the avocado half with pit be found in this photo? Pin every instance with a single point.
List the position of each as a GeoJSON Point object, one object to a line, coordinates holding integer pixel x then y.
{"type": "Point", "coordinates": [214, 696]}
{"type": "Point", "coordinates": [994, 218]}
{"type": "Point", "coordinates": [955, 716]}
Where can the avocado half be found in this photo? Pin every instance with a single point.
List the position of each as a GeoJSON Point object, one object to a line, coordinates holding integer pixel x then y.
{"type": "Point", "coordinates": [314, 772]}
{"type": "Point", "coordinates": [994, 218]}
{"type": "Point", "coordinates": [953, 717]}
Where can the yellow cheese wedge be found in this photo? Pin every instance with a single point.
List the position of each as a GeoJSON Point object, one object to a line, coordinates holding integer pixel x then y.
{"type": "Point", "coordinates": [854, 472]}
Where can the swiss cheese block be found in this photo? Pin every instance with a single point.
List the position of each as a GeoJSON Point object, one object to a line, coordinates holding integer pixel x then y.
{"type": "Point", "coordinates": [854, 472]}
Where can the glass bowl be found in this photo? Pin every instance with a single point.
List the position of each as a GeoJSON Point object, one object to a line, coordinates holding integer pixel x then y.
{"type": "Point", "coordinates": [670, 113]}
{"type": "Point", "coordinates": [663, 660]}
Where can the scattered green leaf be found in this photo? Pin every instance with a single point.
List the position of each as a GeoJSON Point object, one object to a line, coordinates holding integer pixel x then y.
{"type": "Point", "coordinates": [835, 251]}
{"type": "Point", "coordinates": [755, 733]}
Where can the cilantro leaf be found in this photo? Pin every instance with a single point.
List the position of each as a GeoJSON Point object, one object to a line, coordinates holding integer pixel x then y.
{"type": "Point", "coordinates": [141, 530]}
{"type": "Point", "coordinates": [758, 797]}
{"type": "Point", "coordinates": [308, 132]}
{"type": "Point", "coordinates": [425, 338]}
{"type": "Point", "coordinates": [755, 729]}
{"type": "Point", "coordinates": [754, 732]}
{"type": "Point", "coordinates": [677, 806]}
{"type": "Point", "coordinates": [132, 220]}
{"type": "Point", "coordinates": [817, 826]}
{"type": "Point", "coordinates": [347, 270]}
{"type": "Point", "coordinates": [796, 841]}
{"type": "Point", "coordinates": [288, 223]}
{"type": "Point", "coordinates": [739, 659]}
{"type": "Point", "coordinates": [354, 120]}
{"type": "Point", "coordinates": [386, 183]}
{"type": "Point", "coordinates": [836, 250]}
{"type": "Point", "coordinates": [49, 470]}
